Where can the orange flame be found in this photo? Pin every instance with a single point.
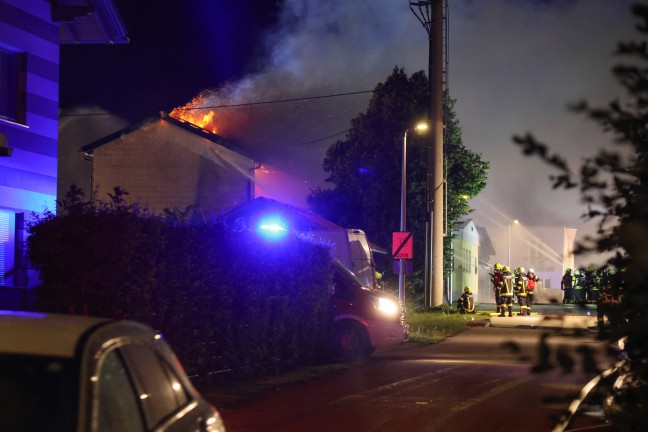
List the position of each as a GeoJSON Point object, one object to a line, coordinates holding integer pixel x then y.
{"type": "Point", "coordinates": [193, 114]}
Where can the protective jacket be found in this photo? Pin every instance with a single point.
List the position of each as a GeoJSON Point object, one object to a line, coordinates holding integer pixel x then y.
{"type": "Point", "coordinates": [567, 281]}
{"type": "Point", "coordinates": [506, 287]}
{"type": "Point", "coordinates": [466, 303]}
{"type": "Point", "coordinates": [521, 285]}
{"type": "Point", "coordinates": [531, 283]}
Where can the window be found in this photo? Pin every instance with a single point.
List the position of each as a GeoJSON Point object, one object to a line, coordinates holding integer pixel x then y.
{"type": "Point", "coordinates": [13, 92]}
{"type": "Point", "coordinates": [161, 392]}
{"type": "Point", "coordinates": [4, 240]}
{"type": "Point", "coordinates": [118, 405]}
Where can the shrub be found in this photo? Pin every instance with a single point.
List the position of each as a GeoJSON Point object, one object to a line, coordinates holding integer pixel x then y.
{"type": "Point", "coordinates": [231, 304]}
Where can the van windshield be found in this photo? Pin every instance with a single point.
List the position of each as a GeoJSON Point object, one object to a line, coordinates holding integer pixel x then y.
{"type": "Point", "coordinates": [347, 274]}
{"type": "Point", "coordinates": [37, 393]}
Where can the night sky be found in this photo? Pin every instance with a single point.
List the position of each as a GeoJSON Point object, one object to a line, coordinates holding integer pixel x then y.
{"type": "Point", "coordinates": [514, 67]}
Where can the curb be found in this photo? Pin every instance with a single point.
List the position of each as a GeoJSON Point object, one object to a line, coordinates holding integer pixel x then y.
{"type": "Point", "coordinates": [478, 323]}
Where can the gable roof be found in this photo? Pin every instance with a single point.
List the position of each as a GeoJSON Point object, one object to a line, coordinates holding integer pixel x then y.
{"type": "Point", "coordinates": [184, 125]}
{"type": "Point", "coordinates": [461, 224]}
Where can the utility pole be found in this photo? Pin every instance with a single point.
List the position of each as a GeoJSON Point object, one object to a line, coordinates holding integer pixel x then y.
{"type": "Point", "coordinates": [431, 15]}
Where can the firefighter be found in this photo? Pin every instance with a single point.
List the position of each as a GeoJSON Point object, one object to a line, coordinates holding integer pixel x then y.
{"type": "Point", "coordinates": [496, 280]}
{"type": "Point", "coordinates": [531, 285]}
{"type": "Point", "coordinates": [506, 292]}
{"type": "Point", "coordinates": [591, 283]}
{"type": "Point", "coordinates": [521, 285]}
{"type": "Point", "coordinates": [466, 303]}
{"type": "Point", "coordinates": [609, 303]}
{"type": "Point", "coordinates": [567, 285]}
{"type": "Point", "coordinates": [577, 284]}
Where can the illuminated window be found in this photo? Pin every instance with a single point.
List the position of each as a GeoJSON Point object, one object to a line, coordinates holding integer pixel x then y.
{"type": "Point", "coordinates": [4, 239]}
{"type": "Point", "coordinates": [13, 92]}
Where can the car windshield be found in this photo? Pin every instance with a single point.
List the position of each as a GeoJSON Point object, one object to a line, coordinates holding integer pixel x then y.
{"type": "Point", "coordinates": [37, 394]}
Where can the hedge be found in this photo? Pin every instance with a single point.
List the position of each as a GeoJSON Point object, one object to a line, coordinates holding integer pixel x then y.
{"type": "Point", "coordinates": [231, 304]}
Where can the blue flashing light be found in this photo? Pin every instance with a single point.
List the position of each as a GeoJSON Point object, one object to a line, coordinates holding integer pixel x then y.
{"type": "Point", "coordinates": [363, 170]}
{"type": "Point", "coordinates": [273, 228]}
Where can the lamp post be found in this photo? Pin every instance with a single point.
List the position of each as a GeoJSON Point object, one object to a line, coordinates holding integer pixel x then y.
{"type": "Point", "coordinates": [421, 126]}
{"type": "Point", "coordinates": [509, 242]}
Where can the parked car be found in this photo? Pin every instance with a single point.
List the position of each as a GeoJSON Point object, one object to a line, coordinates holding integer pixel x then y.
{"type": "Point", "coordinates": [365, 318]}
{"type": "Point", "coordinates": [74, 373]}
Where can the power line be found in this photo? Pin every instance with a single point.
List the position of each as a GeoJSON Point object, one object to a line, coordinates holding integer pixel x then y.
{"type": "Point", "coordinates": [276, 101]}
{"type": "Point", "coordinates": [241, 104]}
{"type": "Point", "coordinates": [322, 139]}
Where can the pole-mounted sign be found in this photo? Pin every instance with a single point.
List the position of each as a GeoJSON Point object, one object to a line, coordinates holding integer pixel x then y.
{"type": "Point", "coordinates": [402, 245]}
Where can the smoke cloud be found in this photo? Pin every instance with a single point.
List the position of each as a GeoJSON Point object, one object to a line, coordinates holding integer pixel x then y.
{"type": "Point", "coordinates": [514, 66]}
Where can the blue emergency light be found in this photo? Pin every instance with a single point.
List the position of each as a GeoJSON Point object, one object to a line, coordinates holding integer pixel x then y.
{"type": "Point", "coordinates": [272, 228]}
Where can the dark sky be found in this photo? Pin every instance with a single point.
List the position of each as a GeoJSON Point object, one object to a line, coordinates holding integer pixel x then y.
{"type": "Point", "coordinates": [177, 48]}
{"type": "Point", "coordinates": [514, 67]}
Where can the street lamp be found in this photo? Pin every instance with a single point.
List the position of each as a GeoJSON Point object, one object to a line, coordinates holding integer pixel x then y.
{"type": "Point", "coordinates": [509, 242]}
{"type": "Point", "coordinates": [420, 127]}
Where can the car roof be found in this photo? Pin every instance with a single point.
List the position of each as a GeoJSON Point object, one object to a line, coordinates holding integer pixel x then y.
{"type": "Point", "coordinates": [42, 333]}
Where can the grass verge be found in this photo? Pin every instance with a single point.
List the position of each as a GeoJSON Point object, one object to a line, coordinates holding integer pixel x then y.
{"type": "Point", "coordinates": [437, 324]}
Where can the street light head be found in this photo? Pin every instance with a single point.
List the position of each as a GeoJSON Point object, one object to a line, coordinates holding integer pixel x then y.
{"type": "Point", "coordinates": [516, 221]}
{"type": "Point", "coordinates": [421, 127]}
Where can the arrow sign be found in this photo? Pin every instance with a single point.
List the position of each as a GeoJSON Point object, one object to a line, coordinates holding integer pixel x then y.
{"type": "Point", "coordinates": [402, 245]}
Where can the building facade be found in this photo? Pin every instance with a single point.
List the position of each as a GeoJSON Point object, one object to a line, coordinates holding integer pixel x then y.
{"type": "Point", "coordinates": [171, 164]}
{"type": "Point", "coordinates": [465, 255]}
{"type": "Point", "coordinates": [31, 33]}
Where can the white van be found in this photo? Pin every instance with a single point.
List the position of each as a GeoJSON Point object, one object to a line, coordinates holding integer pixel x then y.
{"type": "Point", "coordinates": [351, 247]}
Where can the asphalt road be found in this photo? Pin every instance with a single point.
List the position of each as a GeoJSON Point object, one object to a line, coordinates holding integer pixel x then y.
{"type": "Point", "coordinates": [479, 380]}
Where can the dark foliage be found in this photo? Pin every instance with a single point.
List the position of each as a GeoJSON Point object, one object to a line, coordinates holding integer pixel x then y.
{"type": "Point", "coordinates": [231, 304]}
{"type": "Point", "coordinates": [365, 169]}
{"type": "Point", "coordinates": [614, 185]}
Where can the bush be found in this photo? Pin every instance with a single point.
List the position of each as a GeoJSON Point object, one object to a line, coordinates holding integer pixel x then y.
{"type": "Point", "coordinates": [231, 304]}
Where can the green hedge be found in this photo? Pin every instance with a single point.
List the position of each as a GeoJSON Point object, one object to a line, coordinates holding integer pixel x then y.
{"type": "Point", "coordinates": [231, 304]}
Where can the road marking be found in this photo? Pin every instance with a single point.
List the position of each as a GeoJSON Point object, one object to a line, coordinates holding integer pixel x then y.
{"type": "Point", "coordinates": [391, 386]}
{"type": "Point", "coordinates": [469, 403]}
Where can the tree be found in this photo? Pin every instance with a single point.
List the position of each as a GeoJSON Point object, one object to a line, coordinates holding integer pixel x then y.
{"type": "Point", "coordinates": [613, 184]}
{"type": "Point", "coordinates": [365, 167]}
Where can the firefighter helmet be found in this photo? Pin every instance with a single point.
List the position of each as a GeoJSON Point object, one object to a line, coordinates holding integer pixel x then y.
{"type": "Point", "coordinates": [505, 269]}
{"type": "Point", "coordinates": [497, 266]}
{"type": "Point", "coordinates": [531, 271]}
{"type": "Point", "coordinates": [522, 270]}
{"type": "Point", "coordinates": [467, 289]}
{"type": "Point", "coordinates": [568, 270]}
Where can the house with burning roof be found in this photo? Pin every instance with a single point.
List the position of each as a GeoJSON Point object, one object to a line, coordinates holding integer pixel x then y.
{"type": "Point", "coordinates": [172, 164]}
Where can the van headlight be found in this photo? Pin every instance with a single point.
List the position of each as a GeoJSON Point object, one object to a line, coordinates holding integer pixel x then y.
{"type": "Point", "coordinates": [386, 306]}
